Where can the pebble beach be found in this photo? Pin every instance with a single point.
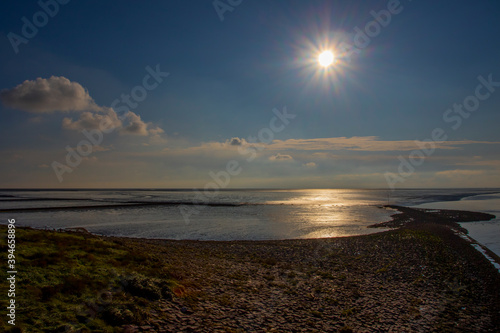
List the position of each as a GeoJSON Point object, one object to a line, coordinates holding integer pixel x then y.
{"type": "Point", "coordinates": [419, 277]}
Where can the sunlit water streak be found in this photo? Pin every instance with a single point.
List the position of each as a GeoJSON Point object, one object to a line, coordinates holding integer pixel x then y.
{"type": "Point", "coordinates": [259, 214]}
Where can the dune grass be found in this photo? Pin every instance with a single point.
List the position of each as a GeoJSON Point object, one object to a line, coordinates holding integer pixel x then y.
{"type": "Point", "coordinates": [74, 281]}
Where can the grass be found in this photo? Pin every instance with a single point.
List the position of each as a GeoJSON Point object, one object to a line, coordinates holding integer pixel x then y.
{"type": "Point", "coordinates": [81, 282]}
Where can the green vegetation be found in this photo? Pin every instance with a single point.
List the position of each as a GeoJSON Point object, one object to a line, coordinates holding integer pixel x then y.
{"type": "Point", "coordinates": [77, 281]}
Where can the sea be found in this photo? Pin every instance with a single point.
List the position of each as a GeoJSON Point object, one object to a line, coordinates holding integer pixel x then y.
{"type": "Point", "coordinates": [250, 214]}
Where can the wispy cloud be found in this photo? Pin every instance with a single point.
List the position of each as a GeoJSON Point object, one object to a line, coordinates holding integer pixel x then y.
{"type": "Point", "coordinates": [366, 143]}
{"type": "Point", "coordinates": [480, 162]}
{"type": "Point", "coordinates": [326, 148]}
{"type": "Point", "coordinates": [459, 173]}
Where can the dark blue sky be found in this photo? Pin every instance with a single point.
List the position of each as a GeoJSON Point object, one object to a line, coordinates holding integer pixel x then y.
{"type": "Point", "coordinates": [227, 76]}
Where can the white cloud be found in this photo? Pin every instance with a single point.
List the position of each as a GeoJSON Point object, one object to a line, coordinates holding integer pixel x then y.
{"type": "Point", "coordinates": [92, 120]}
{"type": "Point", "coordinates": [102, 148]}
{"type": "Point", "coordinates": [236, 142]}
{"type": "Point", "coordinates": [56, 93]}
{"type": "Point", "coordinates": [156, 137]}
{"type": "Point", "coordinates": [131, 124]}
{"type": "Point", "coordinates": [135, 125]}
{"type": "Point", "coordinates": [280, 157]}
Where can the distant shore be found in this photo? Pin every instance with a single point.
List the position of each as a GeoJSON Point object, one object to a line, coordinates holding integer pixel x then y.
{"type": "Point", "coordinates": [421, 277]}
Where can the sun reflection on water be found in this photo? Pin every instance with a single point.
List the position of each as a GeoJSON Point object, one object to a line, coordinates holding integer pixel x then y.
{"type": "Point", "coordinates": [328, 213]}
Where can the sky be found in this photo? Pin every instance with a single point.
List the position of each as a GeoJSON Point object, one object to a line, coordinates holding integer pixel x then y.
{"type": "Point", "coordinates": [230, 94]}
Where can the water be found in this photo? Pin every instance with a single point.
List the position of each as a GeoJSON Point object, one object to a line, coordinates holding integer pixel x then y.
{"type": "Point", "coordinates": [485, 232]}
{"type": "Point", "coordinates": [230, 214]}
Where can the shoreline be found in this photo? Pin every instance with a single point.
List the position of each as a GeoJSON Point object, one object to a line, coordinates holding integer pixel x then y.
{"type": "Point", "coordinates": [450, 218]}
{"type": "Point", "coordinates": [421, 276]}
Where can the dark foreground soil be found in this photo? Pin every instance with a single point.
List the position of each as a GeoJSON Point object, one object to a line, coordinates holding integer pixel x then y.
{"type": "Point", "coordinates": [421, 277]}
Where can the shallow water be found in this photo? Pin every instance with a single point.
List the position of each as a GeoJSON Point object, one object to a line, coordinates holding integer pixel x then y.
{"type": "Point", "coordinates": [485, 232]}
{"type": "Point", "coordinates": [234, 214]}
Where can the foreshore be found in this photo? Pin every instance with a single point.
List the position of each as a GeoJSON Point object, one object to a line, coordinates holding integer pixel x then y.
{"type": "Point", "coordinates": [421, 277]}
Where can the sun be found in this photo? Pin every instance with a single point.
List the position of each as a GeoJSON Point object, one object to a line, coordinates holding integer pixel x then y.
{"type": "Point", "coordinates": [326, 58]}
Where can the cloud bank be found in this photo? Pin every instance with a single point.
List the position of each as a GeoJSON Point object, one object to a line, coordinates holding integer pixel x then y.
{"type": "Point", "coordinates": [365, 143]}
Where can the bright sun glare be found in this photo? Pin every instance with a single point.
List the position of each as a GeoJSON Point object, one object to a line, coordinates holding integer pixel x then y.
{"type": "Point", "coordinates": [326, 58]}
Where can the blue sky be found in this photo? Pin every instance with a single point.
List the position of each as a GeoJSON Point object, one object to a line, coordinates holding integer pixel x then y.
{"type": "Point", "coordinates": [354, 121]}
